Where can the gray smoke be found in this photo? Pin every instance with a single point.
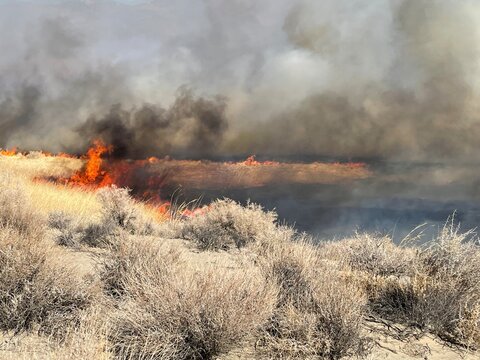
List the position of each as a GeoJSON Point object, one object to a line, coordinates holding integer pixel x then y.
{"type": "Point", "coordinates": [419, 100]}
{"type": "Point", "coordinates": [17, 112]}
{"type": "Point", "coordinates": [359, 78]}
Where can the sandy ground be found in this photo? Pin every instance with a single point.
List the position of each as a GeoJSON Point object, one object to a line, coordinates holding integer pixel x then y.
{"type": "Point", "coordinates": [427, 347]}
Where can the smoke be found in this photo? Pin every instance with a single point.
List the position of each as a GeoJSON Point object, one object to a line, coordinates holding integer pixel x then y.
{"type": "Point", "coordinates": [391, 79]}
{"type": "Point", "coordinates": [419, 100]}
{"type": "Point", "coordinates": [190, 126]}
{"type": "Point", "coordinates": [17, 112]}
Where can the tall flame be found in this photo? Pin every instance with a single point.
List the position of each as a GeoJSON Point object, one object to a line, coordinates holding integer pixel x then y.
{"type": "Point", "coordinates": [93, 174]}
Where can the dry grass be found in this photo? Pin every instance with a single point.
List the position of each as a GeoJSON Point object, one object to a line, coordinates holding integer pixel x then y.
{"type": "Point", "coordinates": [16, 210]}
{"type": "Point", "coordinates": [36, 293]}
{"type": "Point", "coordinates": [19, 173]}
{"type": "Point", "coordinates": [39, 166]}
{"type": "Point", "coordinates": [168, 310]}
{"type": "Point", "coordinates": [78, 202]}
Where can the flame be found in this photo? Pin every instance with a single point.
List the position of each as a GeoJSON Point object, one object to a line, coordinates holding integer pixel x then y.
{"type": "Point", "coordinates": [11, 152]}
{"type": "Point", "coordinates": [93, 174]}
{"type": "Point", "coordinates": [163, 210]}
{"type": "Point", "coordinates": [195, 211]}
{"type": "Point", "coordinates": [97, 174]}
{"type": "Point", "coordinates": [251, 161]}
{"type": "Point", "coordinates": [153, 160]}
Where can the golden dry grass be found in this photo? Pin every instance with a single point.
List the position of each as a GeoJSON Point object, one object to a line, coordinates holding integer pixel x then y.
{"type": "Point", "coordinates": [39, 165]}
{"type": "Point", "coordinates": [48, 197]}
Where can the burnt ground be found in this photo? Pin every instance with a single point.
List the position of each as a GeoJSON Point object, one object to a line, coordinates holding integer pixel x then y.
{"type": "Point", "coordinates": [394, 200]}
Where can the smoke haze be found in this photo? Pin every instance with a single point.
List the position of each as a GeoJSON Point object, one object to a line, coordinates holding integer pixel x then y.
{"type": "Point", "coordinates": [391, 79]}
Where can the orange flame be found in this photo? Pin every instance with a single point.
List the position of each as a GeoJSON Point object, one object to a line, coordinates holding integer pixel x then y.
{"type": "Point", "coordinates": [11, 152]}
{"type": "Point", "coordinates": [251, 161]}
{"type": "Point", "coordinates": [93, 174]}
{"type": "Point", "coordinates": [196, 211]}
{"type": "Point", "coordinates": [63, 155]}
{"type": "Point", "coordinates": [97, 174]}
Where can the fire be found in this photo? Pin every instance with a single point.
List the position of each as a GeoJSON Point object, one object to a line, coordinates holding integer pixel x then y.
{"type": "Point", "coordinates": [163, 210]}
{"type": "Point", "coordinates": [352, 165]}
{"type": "Point", "coordinates": [14, 151]}
{"type": "Point", "coordinates": [93, 173]}
{"type": "Point", "coordinates": [11, 152]}
{"type": "Point", "coordinates": [153, 160]}
{"type": "Point", "coordinates": [251, 161]}
{"type": "Point", "coordinates": [97, 174]}
{"type": "Point", "coordinates": [150, 179]}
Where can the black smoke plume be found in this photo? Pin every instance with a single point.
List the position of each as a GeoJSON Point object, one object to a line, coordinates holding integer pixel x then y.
{"type": "Point", "coordinates": [191, 126]}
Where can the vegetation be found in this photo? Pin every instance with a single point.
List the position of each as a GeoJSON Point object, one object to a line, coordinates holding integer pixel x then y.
{"type": "Point", "coordinates": [98, 278]}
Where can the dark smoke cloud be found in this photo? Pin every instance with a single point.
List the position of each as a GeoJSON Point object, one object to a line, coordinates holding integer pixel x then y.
{"type": "Point", "coordinates": [190, 126]}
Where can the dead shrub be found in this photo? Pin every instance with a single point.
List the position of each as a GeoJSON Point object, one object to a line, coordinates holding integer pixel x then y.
{"type": "Point", "coordinates": [447, 286]}
{"type": "Point", "coordinates": [35, 155]}
{"type": "Point", "coordinates": [119, 215]}
{"type": "Point", "coordinates": [66, 232]}
{"type": "Point", "coordinates": [289, 264]}
{"type": "Point", "coordinates": [226, 225]}
{"type": "Point", "coordinates": [375, 254]}
{"type": "Point", "coordinates": [169, 310]}
{"type": "Point", "coordinates": [119, 208]}
{"type": "Point", "coordinates": [34, 293]}
{"type": "Point", "coordinates": [319, 313]}
{"type": "Point", "coordinates": [135, 259]}
{"type": "Point", "coordinates": [99, 234]}
{"type": "Point", "coordinates": [88, 340]}
{"type": "Point", "coordinates": [435, 288]}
